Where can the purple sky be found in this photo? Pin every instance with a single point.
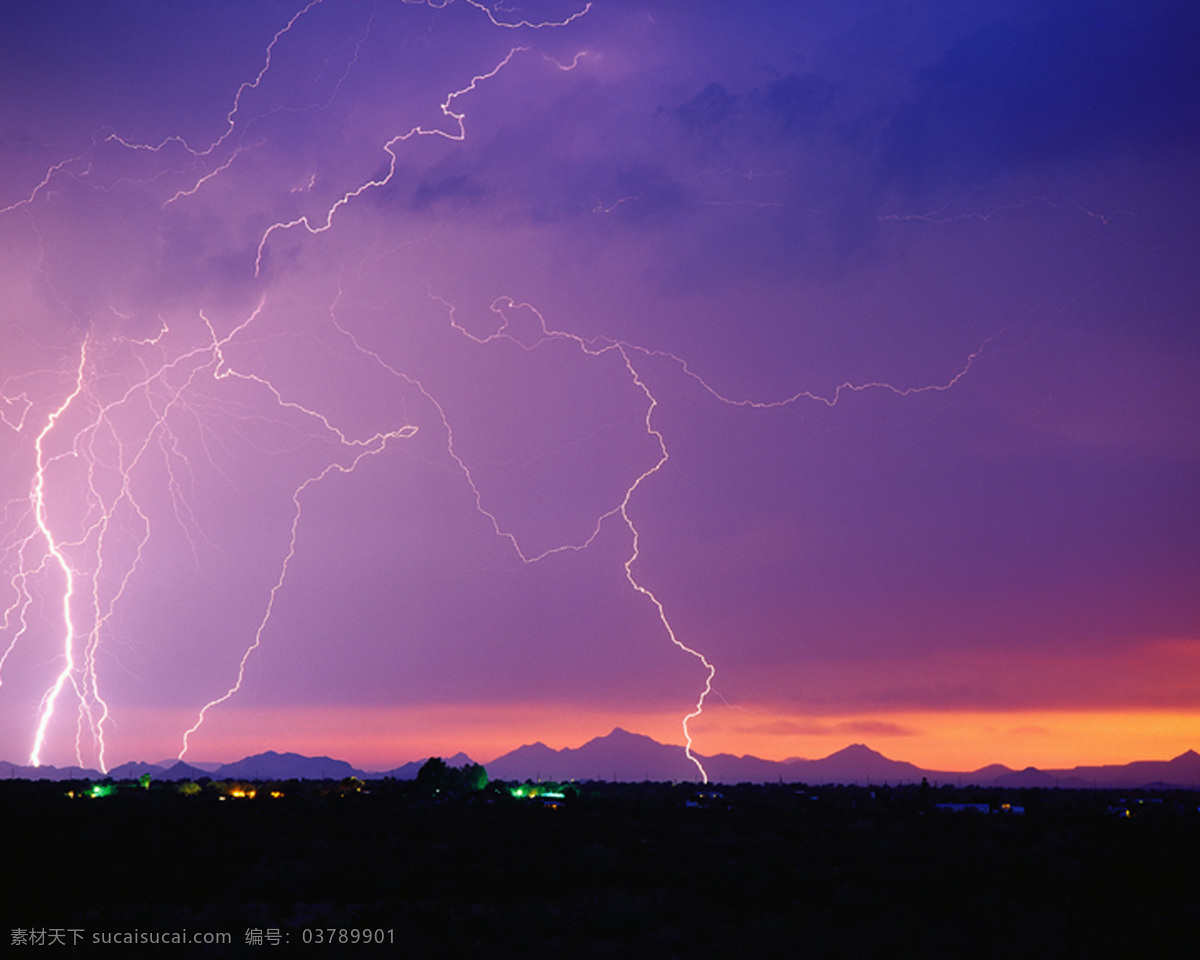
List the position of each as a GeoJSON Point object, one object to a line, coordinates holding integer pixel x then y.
{"type": "Point", "coordinates": [362, 346]}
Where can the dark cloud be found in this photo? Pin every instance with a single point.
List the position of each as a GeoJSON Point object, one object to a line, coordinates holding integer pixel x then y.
{"type": "Point", "coordinates": [707, 112]}
{"type": "Point", "coordinates": [1066, 81]}
{"type": "Point", "coordinates": [800, 102]}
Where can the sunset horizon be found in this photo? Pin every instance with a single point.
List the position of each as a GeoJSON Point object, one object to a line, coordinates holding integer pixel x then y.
{"type": "Point", "coordinates": [959, 743]}
{"type": "Point", "coordinates": [384, 380]}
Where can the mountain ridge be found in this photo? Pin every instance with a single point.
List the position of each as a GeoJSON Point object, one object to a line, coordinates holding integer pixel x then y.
{"type": "Point", "coordinates": [631, 757]}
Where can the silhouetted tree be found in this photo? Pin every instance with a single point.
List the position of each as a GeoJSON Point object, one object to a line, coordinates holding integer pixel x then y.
{"type": "Point", "coordinates": [437, 776]}
{"type": "Point", "coordinates": [474, 776]}
{"type": "Point", "coordinates": [434, 775]}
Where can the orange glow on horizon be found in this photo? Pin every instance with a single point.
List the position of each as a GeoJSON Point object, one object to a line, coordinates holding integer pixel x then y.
{"type": "Point", "coordinates": [963, 741]}
{"type": "Point", "coordinates": [382, 738]}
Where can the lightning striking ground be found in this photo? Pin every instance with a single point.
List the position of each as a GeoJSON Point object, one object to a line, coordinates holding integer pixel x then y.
{"type": "Point", "coordinates": [135, 414]}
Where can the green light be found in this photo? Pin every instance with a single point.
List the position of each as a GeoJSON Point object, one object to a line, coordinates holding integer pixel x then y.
{"type": "Point", "coordinates": [102, 790]}
{"type": "Point", "coordinates": [528, 790]}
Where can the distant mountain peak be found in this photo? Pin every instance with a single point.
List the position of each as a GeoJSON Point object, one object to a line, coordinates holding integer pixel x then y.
{"type": "Point", "coordinates": [992, 770]}
{"type": "Point", "coordinates": [857, 750]}
{"type": "Point", "coordinates": [619, 733]}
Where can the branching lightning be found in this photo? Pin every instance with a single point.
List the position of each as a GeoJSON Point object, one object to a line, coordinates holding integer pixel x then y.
{"type": "Point", "coordinates": [390, 149]}
{"type": "Point", "coordinates": [81, 534]}
{"type": "Point", "coordinates": [110, 483]}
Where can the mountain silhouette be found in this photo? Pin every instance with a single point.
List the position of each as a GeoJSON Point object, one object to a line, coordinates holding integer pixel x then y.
{"type": "Point", "coordinates": [858, 763]}
{"type": "Point", "coordinates": [16, 771]}
{"type": "Point", "coordinates": [409, 771]}
{"type": "Point", "coordinates": [633, 757]}
{"type": "Point", "coordinates": [135, 769]}
{"type": "Point", "coordinates": [286, 766]}
{"type": "Point", "coordinates": [621, 755]}
{"type": "Point", "coordinates": [181, 771]}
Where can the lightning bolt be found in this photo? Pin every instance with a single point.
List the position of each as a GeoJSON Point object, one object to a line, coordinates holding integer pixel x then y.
{"type": "Point", "coordinates": [596, 348]}
{"type": "Point", "coordinates": [390, 149]}
{"type": "Point", "coordinates": [627, 352]}
{"type": "Point", "coordinates": [130, 403]}
{"type": "Point", "coordinates": [57, 556]}
{"type": "Point", "coordinates": [109, 483]}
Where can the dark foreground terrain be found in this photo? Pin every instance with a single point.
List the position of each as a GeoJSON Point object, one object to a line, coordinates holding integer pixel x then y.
{"type": "Point", "coordinates": [647, 870]}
